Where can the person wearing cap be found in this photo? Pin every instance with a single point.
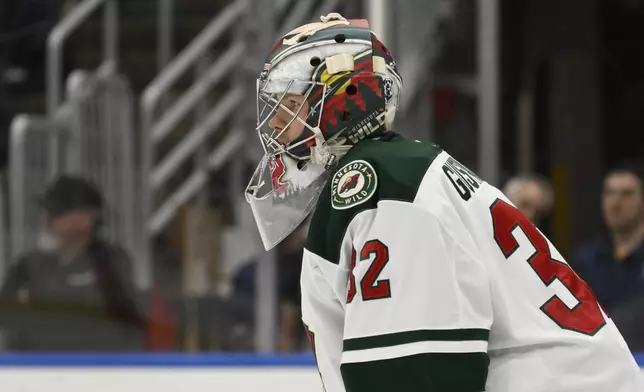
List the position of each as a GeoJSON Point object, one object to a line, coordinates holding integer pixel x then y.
{"type": "Point", "coordinates": [80, 273]}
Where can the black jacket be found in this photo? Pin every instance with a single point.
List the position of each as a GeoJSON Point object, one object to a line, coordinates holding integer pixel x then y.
{"type": "Point", "coordinates": [88, 304]}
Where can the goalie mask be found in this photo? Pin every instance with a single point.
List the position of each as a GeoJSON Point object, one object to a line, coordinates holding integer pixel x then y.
{"type": "Point", "coordinates": [324, 87]}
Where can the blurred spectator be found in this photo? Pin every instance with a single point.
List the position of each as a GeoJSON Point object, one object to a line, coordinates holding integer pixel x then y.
{"type": "Point", "coordinates": [613, 264]}
{"type": "Point", "coordinates": [80, 291]}
{"type": "Point", "coordinates": [531, 194]}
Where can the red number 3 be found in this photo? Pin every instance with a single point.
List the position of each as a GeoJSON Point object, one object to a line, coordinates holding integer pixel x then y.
{"type": "Point", "coordinates": [370, 286]}
{"type": "Point", "coordinates": [586, 317]}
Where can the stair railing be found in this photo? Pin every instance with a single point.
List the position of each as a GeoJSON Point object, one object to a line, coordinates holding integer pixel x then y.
{"type": "Point", "coordinates": [60, 33]}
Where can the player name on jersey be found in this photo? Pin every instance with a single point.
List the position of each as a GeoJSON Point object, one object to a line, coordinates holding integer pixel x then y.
{"type": "Point", "coordinates": [462, 178]}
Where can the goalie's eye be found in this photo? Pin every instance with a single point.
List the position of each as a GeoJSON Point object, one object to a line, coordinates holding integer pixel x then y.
{"type": "Point", "coordinates": [292, 104]}
{"type": "Point", "coordinates": [289, 103]}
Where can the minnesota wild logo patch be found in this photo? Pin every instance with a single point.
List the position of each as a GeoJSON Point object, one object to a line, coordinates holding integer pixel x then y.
{"type": "Point", "coordinates": [353, 184]}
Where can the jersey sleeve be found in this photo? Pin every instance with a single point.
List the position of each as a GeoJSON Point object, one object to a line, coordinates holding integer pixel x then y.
{"type": "Point", "coordinates": [323, 317]}
{"type": "Point", "coordinates": [418, 309]}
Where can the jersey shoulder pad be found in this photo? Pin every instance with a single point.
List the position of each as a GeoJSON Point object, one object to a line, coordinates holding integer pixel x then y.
{"type": "Point", "coordinates": [372, 171]}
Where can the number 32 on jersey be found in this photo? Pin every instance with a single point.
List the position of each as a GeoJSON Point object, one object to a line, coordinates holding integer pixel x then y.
{"type": "Point", "coordinates": [586, 317]}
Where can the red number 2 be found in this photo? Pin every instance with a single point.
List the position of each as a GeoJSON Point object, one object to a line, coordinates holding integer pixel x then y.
{"type": "Point", "coordinates": [370, 286]}
{"type": "Point", "coordinates": [586, 317]}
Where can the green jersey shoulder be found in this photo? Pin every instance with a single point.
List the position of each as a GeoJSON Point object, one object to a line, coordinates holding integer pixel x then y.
{"type": "Point", "coordinates": [372, 171]}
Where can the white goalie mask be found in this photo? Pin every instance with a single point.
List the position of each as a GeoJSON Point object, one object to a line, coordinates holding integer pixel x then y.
{"type": "Point", "coordinates": [329, 84]}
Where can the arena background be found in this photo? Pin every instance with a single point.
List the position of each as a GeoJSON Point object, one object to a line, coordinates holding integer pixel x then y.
{"type": "Point", "coordinates": [154, 102]}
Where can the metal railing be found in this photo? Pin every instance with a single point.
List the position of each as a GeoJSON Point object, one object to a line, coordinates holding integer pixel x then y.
{"type": "Point", "coordinates": [102, 137]}
{"type": "Point", "coordinates": [32, 141]}
{"type": "Point", "coordinates": [60, 33]}
{"type": "Point", "coordinates": [156, 128]}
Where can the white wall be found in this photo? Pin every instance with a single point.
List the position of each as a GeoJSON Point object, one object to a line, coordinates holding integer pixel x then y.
{"type": "Point", "coordinates": [158, 379]}
{"type": "Point", "coordinates": [282, 379]}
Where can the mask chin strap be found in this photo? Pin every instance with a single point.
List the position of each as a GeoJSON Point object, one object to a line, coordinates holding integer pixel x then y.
{"type": "Point", "coordinates": [326, 153]}
{"type": "Point", "coordinates": [321, 153]}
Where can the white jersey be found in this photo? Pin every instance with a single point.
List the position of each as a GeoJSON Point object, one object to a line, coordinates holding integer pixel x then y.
{"type": "Point", "coordinates": [418, 276]}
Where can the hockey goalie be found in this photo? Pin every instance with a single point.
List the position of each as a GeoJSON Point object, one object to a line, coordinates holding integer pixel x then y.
{"type": "Point", "coordinates": [417, 274]}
